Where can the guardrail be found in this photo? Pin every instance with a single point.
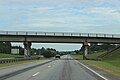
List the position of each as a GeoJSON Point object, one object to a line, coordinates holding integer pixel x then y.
{"type": "Point", "coordinates": [17, 59]}
{"type": "Point", "coordinates": [59, 34]}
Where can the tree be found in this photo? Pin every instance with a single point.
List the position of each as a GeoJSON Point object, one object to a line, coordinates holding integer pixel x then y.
{"type": "Point", "coordinates": [48, 54]}
{"type": "Point", "coordinates": [5, 47]}
{"type": "Point", "coordinates": [101, 47]}
{"type": "Point", "coordinates": [21, 50]}
{"type": "Point", "coordinates": [33, 51]}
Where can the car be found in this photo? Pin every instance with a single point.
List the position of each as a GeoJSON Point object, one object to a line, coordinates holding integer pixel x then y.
{"type": "Point", "coordinates": [57, 56]}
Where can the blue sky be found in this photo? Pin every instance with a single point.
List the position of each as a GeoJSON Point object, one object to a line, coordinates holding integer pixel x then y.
{"type": "Point", "coordinates": [83, 16]}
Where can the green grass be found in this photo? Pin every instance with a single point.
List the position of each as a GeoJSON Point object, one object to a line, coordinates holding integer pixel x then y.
{"type": "Point", "coordinates": [110, 64]}
{"type": "Point", "coordinates": [77, 56]}
{"type": "Point", "coordinates": [94, 55]}
{"type": "Point", "coordinates": [15, 63]}
{"type": "Point", "coordinates": [9, 56]}
{"type": "Point", "coordinates": [20, 62]}
{"type": "Point", "coordinates": [89, 55]}
{"type": "Point", "coordinates": [106, 66]}
{"type": "Point", "coordinates": [113, 58]}
{"type": "Point", "coordinates": [16, 56]}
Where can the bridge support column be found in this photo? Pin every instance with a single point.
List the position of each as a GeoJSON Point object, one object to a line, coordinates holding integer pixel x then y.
{"type": "Point", "coordinates": [85, 44]}
{"type": "Point", "coordinates": [27, 49]}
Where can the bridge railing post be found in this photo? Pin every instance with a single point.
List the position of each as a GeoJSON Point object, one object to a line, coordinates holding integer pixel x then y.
{"type": "Point", "coordinates": [71, 34]}
{"type": "Point", "coordinates": [7, 32]}
{"type": "Point", "coordinates": [112, 35]}
{"type": "Point", "coordinates": [88, 34]}
{"type": "Point", "coordinates": [104, 35]}
{"type": "Point", "coordinates": [45, 33]}
{"type": "Point", "coordinates": [96, 35]}
{"type": "Point", "coordinates": [26, 33]}
{"type": "Point", "coordinates": [79, 34]}
{"type": "Point", "coordinates": [63, 34]}
{"type": "Point", "coordinates": [35, 33]}
{"type": "Point", "coordinates": [16, 33]}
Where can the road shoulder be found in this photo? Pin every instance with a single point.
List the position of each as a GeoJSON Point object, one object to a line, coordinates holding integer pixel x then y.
{"type": "Point", "coordinates": [102, 72]}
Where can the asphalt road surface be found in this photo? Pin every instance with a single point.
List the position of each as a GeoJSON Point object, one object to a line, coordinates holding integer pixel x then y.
{"type": "Point", "coordinates": [60, 69]}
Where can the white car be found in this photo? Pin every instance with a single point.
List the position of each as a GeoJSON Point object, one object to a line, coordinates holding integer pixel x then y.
{"type": "Point", "coordinates": [57, 56]}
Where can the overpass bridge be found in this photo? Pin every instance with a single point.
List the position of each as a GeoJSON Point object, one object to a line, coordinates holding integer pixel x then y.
{"type": "Point", "coordinates": [57, 37]}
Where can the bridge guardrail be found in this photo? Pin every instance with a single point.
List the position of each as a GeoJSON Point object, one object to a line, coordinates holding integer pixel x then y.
{"type": "Point", "coordinates": [59, 34]}
{"type": "Point", "coordinates": [17, 59]}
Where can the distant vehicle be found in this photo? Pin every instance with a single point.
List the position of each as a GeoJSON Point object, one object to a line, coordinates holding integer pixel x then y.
{"type": "Point", "coordinates": [57, 56]}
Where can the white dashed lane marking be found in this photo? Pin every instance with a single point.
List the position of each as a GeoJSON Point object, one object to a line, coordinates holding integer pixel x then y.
{"type": "Point", "coordinates": [49, 66]}
{"type": "Point", "coordinates": [36, 74]}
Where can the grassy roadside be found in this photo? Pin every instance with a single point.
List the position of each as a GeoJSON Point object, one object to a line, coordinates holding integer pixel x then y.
{"type": "Point", "coordinates": [95, 54]}
{"type": "Point", "coordinates": [10, 56]}
{"type": "Point", "coordinates": [110, 64]}
{"type": "Point", "coordinates": [15, 63]}
{"type": "Point", "coordinates": [115, 70]}
{"type": "Point", "coordinates": [89, 55]}
{"type": "Point", "coordinates": [20, 62]}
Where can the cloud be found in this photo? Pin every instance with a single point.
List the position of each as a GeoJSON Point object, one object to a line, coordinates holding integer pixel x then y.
{"type": "Point", "coordinates": [67, 14]}
{"type": "Point", "coordinates": [82, 16]}
{"type": "Point", "coordinates": [106, 11]}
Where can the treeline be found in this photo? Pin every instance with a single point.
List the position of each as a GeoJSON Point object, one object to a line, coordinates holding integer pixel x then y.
{"type": "Point", "coordinates": [93, 48]}
{"type": "Point", "coordinates": [5, 48]}
{"type": "Point", "coordinates": [21, 50]}
{"type": "Point", "coordinates": [48, 52]}
{"type": "Point", "coordinates": [102, 47]}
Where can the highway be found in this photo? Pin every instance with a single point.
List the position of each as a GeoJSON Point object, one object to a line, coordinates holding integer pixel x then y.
{"type": "Point", "coordinates": [61, 69]}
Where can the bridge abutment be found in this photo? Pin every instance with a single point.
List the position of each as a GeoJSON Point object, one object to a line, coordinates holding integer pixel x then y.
{"type": "Point", "coordinates": [85, 45]}
{"type": "Point", "coordinates": [27, 49]}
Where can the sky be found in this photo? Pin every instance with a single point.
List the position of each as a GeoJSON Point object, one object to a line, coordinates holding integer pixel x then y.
{"type": "Point", "coordinates": [82, 16]}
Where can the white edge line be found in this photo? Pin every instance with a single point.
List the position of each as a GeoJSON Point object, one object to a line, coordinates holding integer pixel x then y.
{"type": "Point", "coordinates": [36, 74]}
{"type": "Point", "coordinates": [92, 70]}
{"type": "Point", "coordinates": [49, 66]}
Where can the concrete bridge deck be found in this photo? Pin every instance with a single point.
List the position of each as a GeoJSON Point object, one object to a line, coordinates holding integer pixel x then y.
{"type": "Point", "coordinates": [57, 37]}
{"type": "Point", "coordinates": [59, 34]}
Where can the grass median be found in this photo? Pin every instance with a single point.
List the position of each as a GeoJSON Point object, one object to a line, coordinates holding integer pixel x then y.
{"type": "Point", "coordinates": [20, 62]}
{"type": "Point", "coordinates": [10, 56]}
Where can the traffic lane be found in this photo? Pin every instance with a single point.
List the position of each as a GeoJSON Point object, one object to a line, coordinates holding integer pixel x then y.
{"type": "Point", "coordinates": [56, 70]}
{"type": "Point", "coordinates": [87, 69]}
{"type": "Point", "coordinates": [69, 70]}
{"type": "Point", "coordinates": [13, 68]}
{"type": "Point", "coordinates": [64, 57]}
{"type": "Point", "coordinates": [39, 73]}
{"type": "Point", "coordinates": [73, 71]}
